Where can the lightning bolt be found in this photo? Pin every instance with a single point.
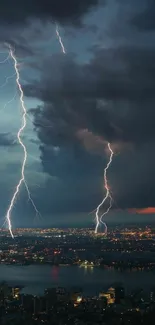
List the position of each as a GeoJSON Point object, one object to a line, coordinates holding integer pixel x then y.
{"type": "Point", "coordinates": [108, 194]}
{"type": "Point", "coordinates": [20, 131]}
{"type": "Point", "coordinates": [60, 40]}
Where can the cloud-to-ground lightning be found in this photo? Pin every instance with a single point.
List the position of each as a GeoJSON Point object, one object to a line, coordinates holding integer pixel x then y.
{"type": "Point", "coordinates": [60, 40]}
{"type": "Point", "coordinates": [108, 194]}
{"type": "Point", "coordinates": [20, 131]}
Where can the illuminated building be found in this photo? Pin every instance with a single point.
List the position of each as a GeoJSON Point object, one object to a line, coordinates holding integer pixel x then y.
{"type": "Point", "coordinates": [109, 295]}
{"type": "Point", "coordinates": [87, 264]}
{"type": "Point", "coordinates": [112, 292]}
{"type": "Point", "coordinates": [15, 292]}
{"type": "Point", "coordinates": [76, 296]}
{"type": "Point", "coordinates": [77, 300]}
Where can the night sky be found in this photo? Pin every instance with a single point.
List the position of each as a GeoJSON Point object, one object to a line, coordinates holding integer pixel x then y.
{"type": "Point", "coordinates": [102, 90]}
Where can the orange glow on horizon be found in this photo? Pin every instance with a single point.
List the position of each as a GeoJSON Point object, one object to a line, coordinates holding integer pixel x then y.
{"type": "Point", "coordinates": [148, 210]}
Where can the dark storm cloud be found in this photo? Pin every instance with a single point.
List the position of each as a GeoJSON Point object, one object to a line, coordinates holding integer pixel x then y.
{"type": "Point", "coordinates": [68, 11]}
{"type": "Point", "coordinates": [132, 177]}
{"type": "Point", "coordinates": [113, 96]}
{"type": "Point", "coordinates": [77, 171]}
{"type": "Point", "coordinates": [144, 20]}
{"type": "Point", "coordinates": [21, 46]}
{"type": "Point", "coordinates": [6, 140]}
{"type": "Point", "coordinates": [109, 98]}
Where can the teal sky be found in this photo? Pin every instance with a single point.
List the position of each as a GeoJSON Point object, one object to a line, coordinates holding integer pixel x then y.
{"type": "Point", "coordinates": [101, 91]}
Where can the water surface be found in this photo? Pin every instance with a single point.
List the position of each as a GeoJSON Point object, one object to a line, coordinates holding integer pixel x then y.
{"type": "Point", "coordinates": [36, 278]}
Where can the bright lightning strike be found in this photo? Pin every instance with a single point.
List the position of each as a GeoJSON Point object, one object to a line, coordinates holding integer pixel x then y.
{"type": "Point", "coordinates": [60, 40]}
{"type": "Point", "coordinates": [23, 125]}
{"type": "Point", "coordinates": [108, 194]}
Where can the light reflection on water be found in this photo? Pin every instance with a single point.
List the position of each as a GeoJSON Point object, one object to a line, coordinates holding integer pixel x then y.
{"type": "Point", "coordinates": [92, 280]}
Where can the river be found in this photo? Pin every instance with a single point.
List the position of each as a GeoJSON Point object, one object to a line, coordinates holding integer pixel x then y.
{"type": "Point", "coordinates": [36, 278]}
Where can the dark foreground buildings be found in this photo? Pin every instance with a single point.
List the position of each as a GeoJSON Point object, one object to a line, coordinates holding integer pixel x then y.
{"type": "Point", "coordinates": [59, 306]}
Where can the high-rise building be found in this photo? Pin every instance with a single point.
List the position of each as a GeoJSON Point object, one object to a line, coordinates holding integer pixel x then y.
{"type": "Point", "coordinates": [119, 294]}
{"type": "Point", "coordinates": [39, 304]}
{"type": "Point", "coordinates": [152, 294]}
{"type": "Point", "coordinates": [76, 295]}
{"type": "Point", "coordinates": [62, 294]}
{"type": "Point", "coordinates": [109, 295]}
{"type": "Point", "coordinates": [16, 292]}
{"type": "Point", "coordinates": [5, 291]}
{"type": "Point", "coordinates": [111, 290]}
{"type": "Point", "coordinates": [51, 298]}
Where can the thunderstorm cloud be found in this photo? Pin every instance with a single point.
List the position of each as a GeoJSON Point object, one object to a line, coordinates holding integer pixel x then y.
{"type": "Point", "coordinates": [6, 140]}
{"type": "Point", "coordinates": [102, 90]}
{"type": "Point", "coordinates": [68, 11]}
